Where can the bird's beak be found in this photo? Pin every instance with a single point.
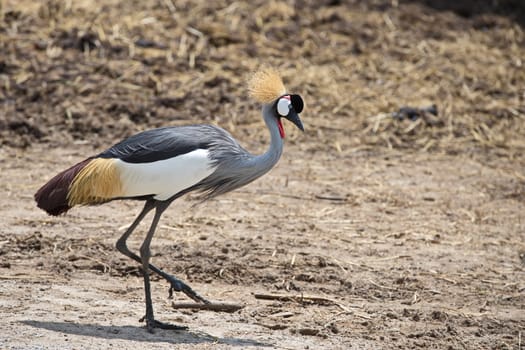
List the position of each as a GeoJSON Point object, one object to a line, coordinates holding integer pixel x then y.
{"type": "Point", "coordinates": [294, 118]}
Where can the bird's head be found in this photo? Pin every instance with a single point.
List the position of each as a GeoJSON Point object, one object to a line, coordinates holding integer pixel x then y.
{"type": "Point", "coordinates": [266, 86]}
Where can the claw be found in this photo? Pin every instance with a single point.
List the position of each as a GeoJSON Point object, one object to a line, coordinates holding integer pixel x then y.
{"type": "Point", "coordinates": [151, 324]}
{"type": "Point", "coordinates": [179, 286]}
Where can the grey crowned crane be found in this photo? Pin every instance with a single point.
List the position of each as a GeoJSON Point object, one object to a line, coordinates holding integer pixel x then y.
{"type": "Point", "coordinates": [161, 165]}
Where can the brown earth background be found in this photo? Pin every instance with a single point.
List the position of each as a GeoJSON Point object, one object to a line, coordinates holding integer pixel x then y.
{"type": "Point", "coordinates": [408, 229]}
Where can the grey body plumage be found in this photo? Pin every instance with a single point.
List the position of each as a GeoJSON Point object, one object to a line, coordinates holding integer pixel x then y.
{"type": "Point", "coordinates": [235, 166]}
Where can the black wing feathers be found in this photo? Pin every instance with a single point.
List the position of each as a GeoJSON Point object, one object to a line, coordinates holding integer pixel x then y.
{"type": "Point", "coordinates": [163, 143]}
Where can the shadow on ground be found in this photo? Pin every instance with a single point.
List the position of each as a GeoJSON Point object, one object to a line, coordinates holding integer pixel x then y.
{"type": "Point", "coordinates": [139, 334]}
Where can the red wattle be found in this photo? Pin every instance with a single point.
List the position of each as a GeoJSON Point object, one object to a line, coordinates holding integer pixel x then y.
{"type": "Point", "coordinates": [281, 129]}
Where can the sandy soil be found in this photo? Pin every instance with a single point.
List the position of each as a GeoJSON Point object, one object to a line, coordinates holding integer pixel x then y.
{"type": "Point", "coordinates": [409, 233]}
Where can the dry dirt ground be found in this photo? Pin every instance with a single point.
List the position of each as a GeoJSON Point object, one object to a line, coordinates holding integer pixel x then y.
{"type": "Point", "coordinates": [384, 232]}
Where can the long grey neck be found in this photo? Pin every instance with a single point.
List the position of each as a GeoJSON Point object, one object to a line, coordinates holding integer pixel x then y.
{"type": "Point", "coordinates": [234, 172]}
{"type": "Point", "coordinates": [264, 162]}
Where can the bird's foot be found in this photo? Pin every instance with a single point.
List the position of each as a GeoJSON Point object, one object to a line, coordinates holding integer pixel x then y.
{"type": "Point", "coordinates": [151, 324]}
{"type": "Point", "coordinates": [179, 286]}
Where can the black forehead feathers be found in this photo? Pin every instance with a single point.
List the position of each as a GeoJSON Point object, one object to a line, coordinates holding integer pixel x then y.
{"type": "Point", "coordinates": [297, 103]}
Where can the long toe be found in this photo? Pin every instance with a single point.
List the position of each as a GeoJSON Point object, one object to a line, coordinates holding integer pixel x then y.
{"type": "Point", "coordinates": [195, 297]}
{"type": "Point", "coordinates": [151, 324]}
{"type": "Point", "coordinates": [179, 286]}
{"type": "Point", "coordinates": [162, 325]}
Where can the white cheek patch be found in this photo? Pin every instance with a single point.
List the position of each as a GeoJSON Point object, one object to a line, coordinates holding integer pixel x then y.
{"type": "Point", "coordinates": [283, 107]}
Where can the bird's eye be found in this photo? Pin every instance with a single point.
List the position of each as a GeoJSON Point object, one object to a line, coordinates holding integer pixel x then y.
{"type": "Point", "coordinates": [283, 107]}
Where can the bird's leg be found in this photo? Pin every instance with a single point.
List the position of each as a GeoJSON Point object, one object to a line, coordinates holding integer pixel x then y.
{"type": "Point", "coordinates": [175, 284]}
{"type": "Point", "coordinates": [145, 255]}
{"type": "Point", "coordinates": [121, 243]}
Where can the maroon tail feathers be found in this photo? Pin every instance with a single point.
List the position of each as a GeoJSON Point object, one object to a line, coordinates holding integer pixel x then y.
{"type": "Point", "coordinates": [52, 197]}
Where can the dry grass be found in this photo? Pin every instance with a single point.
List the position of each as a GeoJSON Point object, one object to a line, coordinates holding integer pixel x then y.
{"type": "Point", "coordinates": [72, 72]}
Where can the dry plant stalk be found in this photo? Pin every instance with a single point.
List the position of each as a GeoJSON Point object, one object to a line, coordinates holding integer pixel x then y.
{"type": "Point", "coordinates": [216, 307]}
{"type": "Point", "coordinates": [316, 299]}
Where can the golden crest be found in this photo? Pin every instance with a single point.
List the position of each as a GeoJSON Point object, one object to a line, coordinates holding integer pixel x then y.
{"type": "Point", "coordinates": [266, 85]}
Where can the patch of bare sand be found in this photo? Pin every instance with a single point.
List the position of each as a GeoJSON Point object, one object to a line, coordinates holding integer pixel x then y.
{"type": "Point", "coordinates": [426, 255]}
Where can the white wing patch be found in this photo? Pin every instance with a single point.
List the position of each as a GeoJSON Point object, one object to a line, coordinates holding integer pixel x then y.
{"type": "Point", "coordinates": [164, 178]}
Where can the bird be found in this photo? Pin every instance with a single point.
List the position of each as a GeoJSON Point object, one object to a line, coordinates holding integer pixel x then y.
{"type": "Point", "coordinates": [157, 166]}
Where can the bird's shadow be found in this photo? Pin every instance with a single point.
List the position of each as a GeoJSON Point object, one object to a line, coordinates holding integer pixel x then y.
{"type": "Point", "coordinates": [140, 334]}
